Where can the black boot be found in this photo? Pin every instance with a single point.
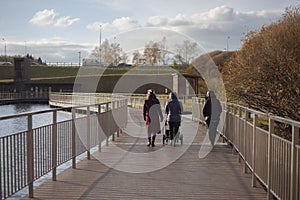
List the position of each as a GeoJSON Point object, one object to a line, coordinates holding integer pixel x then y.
{"type": "Point", "coordinates": [149, 142]}
{"type": "Point", "coordinates": [153, 140]}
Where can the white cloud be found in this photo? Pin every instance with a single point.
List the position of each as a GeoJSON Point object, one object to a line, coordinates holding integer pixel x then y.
{"type": "Point", "coordinates": [65, 21]}
{"type": "Point", "coordinates": [157, 21]}
{"type": "Point", "coordinates": [43, 18]}
{"type": "Point", "coordinates": [119, 24]}
{"type": "Point", "coordinates": [211, 28]}
{"type": "Point", "coordinates": [125, 23]}
{"type": "Point", "coordinates": [49, 17]}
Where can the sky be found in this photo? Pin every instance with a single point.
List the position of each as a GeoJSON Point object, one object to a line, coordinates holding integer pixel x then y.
{"type": "Point", "coordinates": [56, 30]}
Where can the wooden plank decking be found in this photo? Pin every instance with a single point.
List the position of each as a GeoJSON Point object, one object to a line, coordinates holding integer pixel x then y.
{"type": "Point", "coordinates": [217, 176]}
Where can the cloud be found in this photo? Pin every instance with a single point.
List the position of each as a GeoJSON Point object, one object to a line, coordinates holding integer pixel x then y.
{"type": "Point", "coordinates": [157, 21]}
{"type": "Point", "coordinates": [49, 17]}
{"type": "Point", "coordinates": [219, 18]}
{"type": "Point", "coordinates": [54, 49]}
{"type": "Point", "coordinates": [119, 24]}
{"type": "Point", "coordinates": [210, 29]}
{"type": "Point", "coordinates": [65, 21]}
{"type": "Point", "coordinates": [43, 18]}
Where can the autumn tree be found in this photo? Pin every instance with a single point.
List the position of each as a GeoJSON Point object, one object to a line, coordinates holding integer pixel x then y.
{"type": "Point", "coordinates": [265, 73]}
{"type": "Point", "coordinates": [155, 52]}
{"type": "Point", "coordinates": [151, 52]}
{"type": "Point", "coordinates": [111, 53]}
{"type": "Point", "coordinates": [136, 57]}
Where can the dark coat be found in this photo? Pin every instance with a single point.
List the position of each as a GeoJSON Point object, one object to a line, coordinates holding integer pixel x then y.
{"type": "Point", "coordinates": [173, 109]}
{"type": "Point", "coordinates": [212, 110]}
{"type": "Point", "coordinates": [152, 114]}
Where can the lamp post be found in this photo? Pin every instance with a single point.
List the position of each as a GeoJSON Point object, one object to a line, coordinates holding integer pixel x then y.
{"type": "Point", "coordinates": [25, 47]}
{"type": "Point", "coordinates": [4, 48]}
{"type": "Point", "coordinates": [79, 58]}
{"type": "Point", "coordinates": [100, 45]}
{"type": "Point", "coordinates": [227, 43]}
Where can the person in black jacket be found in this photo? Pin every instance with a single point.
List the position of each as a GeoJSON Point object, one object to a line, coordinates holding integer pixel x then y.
{"type": "Point", "coordinates": [212, 110]}
{"type": "Point", "coordinates": [152, 112]}
{"type": "Point", "coordinates": [173, 110]}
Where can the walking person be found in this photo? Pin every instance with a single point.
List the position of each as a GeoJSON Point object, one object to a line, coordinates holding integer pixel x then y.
{"type": "Point", "coordinates": [152, 115]}
{"type": "Point", "coordinates": [211, 111]}
{"type": "Point", "coordinates": [173, 110]}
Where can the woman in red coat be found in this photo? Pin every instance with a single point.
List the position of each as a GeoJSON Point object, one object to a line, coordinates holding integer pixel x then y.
{"type": "Point", "coordinates": [152, 113]}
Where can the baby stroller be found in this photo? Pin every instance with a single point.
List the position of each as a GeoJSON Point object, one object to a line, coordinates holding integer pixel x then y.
{"type": "Point", "coordinates": [166, 135]}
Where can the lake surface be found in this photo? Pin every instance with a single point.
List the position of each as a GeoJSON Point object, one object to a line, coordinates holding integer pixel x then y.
{"type": "Point", "coordinates": [16, 125]}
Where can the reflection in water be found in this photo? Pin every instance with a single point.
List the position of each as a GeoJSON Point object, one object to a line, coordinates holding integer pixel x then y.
{"type": "Point", "coordinates": [19, 124]}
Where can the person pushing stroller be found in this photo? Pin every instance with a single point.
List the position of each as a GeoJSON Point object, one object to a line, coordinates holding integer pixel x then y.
{"type": "Point", "coordinates": [173, 110]}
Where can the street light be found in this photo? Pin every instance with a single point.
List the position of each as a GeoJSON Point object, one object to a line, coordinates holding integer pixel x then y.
{"type": "Point", "coordinates": [100, 37]}
{"type": "Point", "coordinates": [228, 37]}
{"type": "Point", "coordinates": [79, 58]}
{"type": "Point", "coordinates": [4, 48]}
{"type": "Point", "coordinates": [25, 48]}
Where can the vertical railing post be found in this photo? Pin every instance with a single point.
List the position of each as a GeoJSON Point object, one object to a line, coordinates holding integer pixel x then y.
{"type": "Point", "coordinates": [88, 132]}
{"type": "Point", "coordinates": [54, 145]}
{"type": "Point", "coordinates": [295, 136]}
{"type": "Point", "coordinates": [271, 131]}
{"type": "Point", "coordinates": [239, 131]}
{"type": "Point", "coordinates": [254, 150]}
{"type": "Point", "coordinates": [73, 139]}
{"type": "Point", "coordinates": [234, 138]}
{"type": "Point", "coordinates": [106, 110]}
{"type": "Point", "coordinates": [245, 140]}
{"type": "Point", "coordinates": [113, 104]}
{"type": "Point", "coordinates": [30, 159]}
{"type": "Point", "coordinates": [101, 130]}
{"type": "Point", "coordinates": [1, 192]}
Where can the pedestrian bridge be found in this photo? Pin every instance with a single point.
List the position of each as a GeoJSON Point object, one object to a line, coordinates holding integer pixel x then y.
{"type": "Point", "coordinates": [249, 161]}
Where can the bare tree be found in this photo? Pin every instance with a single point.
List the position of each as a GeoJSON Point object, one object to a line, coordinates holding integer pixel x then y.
{"type": "Point", "coordinates": [136, 57]}
{"type": "Point", "coordinates": [187, 51]}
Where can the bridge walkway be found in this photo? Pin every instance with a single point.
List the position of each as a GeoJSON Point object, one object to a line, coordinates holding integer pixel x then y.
{"type": "Point", "coordinates": [163, 172]}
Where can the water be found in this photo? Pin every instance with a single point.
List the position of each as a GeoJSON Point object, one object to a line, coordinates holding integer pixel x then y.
{"type": "Point", "coordinates": [19, 124]}
{"type": "Point", "coordinates": [16, 125]}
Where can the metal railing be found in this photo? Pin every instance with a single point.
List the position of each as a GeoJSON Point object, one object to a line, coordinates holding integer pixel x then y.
{"type": "Point", "coordinates": [26, 95]}
{"type": "Point", "coordinates": [137, 101]}
{"type": "Point", "coordinates": [273, 160]}
{"type": "Point", "coordinates": [26, 156]}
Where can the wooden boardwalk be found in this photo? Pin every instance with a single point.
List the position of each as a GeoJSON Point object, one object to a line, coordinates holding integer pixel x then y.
{"type": "Point", "coordinates": [217, 176]}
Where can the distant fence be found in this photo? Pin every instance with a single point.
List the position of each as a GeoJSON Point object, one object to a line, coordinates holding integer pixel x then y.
{"type": "Point", "coordinates": [137, 101]}
{"type": "Point", "coordinates": [273, 160]}
{"type": "Point", "coordinates": [26, 96]}
{"type": "Point", "coordinates": [63, 64]}
{"type": "Point", "coordinates": [26, 156]}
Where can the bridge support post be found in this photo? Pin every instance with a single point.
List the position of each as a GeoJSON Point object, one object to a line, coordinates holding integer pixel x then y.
{"type": "Point", "coordinates": [100, 131]}
{"type": "Point", "coordinates": [254, 151]}
{"type": "Point", "coordinates": [239, 132]}
{"type": "Point", "coordinates": [271, 131]}
{"type": "Point", "coordinates": [235, 132]}
{"type": "Point", "coordinates": [294, 161]}
{"type": "Point", "coordinates": [106, 109]}
{"type": "Point", "coordinates": [73, 139]}
{"type": "Point", "coordinates": [30, 154]}
{"type": "Point", "coordinates": [245, 140]}
{"type": "Point", "coordinates": [88, 132]}
{"type": "Point", "coordinates": [54, 145]}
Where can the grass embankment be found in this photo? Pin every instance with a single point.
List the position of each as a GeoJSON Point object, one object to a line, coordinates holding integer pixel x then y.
{"type": "Point", "coordinates": [58, 74]}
